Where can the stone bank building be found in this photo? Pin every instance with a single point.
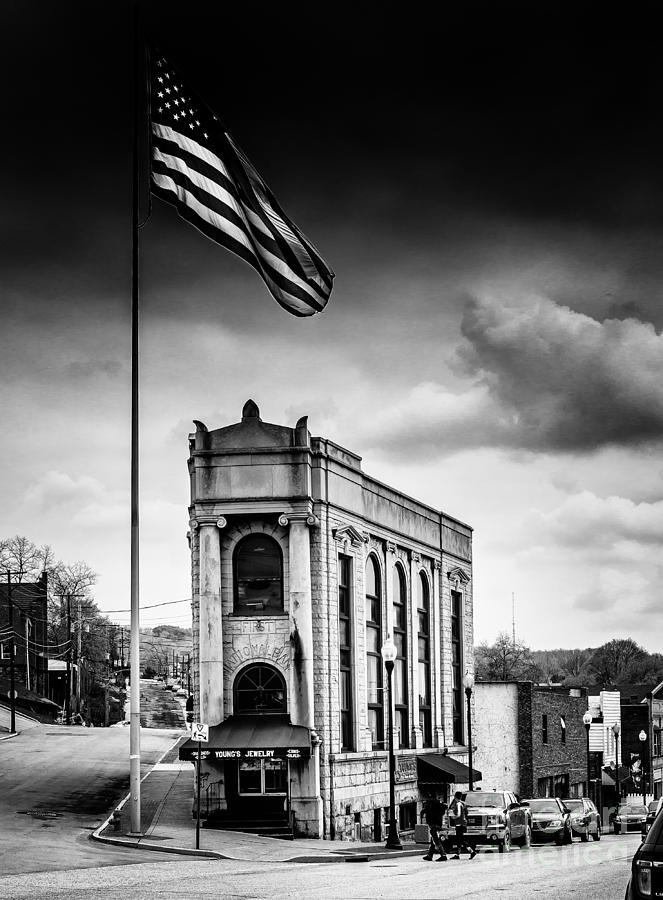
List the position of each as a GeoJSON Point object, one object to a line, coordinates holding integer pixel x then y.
{"type": "Point", "coordinates": [302, 565]}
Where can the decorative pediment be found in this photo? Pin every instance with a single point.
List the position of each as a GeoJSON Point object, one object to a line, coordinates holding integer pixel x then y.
{"type": "Point", "coordinates": [348, 533]}
{"type": "Point", "coordinates": [458, 576]}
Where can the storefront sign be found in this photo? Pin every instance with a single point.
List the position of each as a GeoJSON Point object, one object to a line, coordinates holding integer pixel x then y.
{"type": "Point", "coordinates": [250, 753]}
{"type": "Point", "coordinates": [406, 768]}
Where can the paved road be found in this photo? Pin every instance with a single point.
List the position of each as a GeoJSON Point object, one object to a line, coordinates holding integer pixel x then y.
{"type": "Point", "coordinates": [56, 784]}
{"type": "Point", "coordinates": [586, 871]}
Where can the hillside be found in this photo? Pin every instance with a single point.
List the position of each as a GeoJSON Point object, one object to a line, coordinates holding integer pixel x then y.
{"type": "Point", "coordinates": [165, 650]}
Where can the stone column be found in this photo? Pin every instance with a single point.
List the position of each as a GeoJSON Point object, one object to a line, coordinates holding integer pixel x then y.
{"type": "Point", "coordinates": [305, 798]}
{"type": "Point", "coordinates": [413, 649]}
{"type": "Point", "coordinates": [437, 663]}
{"type": "Point", "coordinates": [210, 646]}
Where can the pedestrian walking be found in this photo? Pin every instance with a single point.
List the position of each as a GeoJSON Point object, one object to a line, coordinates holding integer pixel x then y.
{"type": "Point", "coordinates": [433, 812]}
{"type": "Point", "coordinates": [458, 815]}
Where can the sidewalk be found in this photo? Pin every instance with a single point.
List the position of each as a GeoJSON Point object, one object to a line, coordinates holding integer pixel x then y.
{"type": "Point", "coordinates": [166, 802]}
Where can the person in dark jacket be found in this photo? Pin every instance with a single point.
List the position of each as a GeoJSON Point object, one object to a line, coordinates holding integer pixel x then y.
{"type": "Point", "coordinates": [458, 816]}
{"type": "Point", "coordinates": [433, 812]}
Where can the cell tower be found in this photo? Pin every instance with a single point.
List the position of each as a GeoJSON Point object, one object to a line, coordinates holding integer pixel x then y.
{"type": "Point", "coordinates": [513, 618]}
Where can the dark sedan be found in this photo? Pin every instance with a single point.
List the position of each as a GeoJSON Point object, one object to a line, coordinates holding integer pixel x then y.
{"type": "Point", "coordinates": [629, 817]}
{"type": "Point", "coordinates": [551, 820]}
{"type": "Point", "coordinates": [647, 865]}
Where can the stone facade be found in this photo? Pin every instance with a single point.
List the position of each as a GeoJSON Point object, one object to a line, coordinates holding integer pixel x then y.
{"type": "Point", "coordinates": [311, 498]}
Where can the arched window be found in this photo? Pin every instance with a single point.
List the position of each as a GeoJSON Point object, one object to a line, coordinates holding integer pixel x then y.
{"type": "Point", "coordinates": [373, 656]}
{"type": "Point", "coordinates": [258, 572]}
{"type": "Point", "coordinates": [423, 641]}
{"type": "Point", "coordinates": [259, 690]}
{"type": "Point", "coordinates": [401, 716]}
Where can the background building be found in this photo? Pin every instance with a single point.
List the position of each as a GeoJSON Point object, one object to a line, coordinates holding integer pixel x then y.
{"type": "Point", "coordinates": [302, 565]}
{"type": "Point", "coordinates": [530, 739]}
{"type": "Point", "coordinates": [30, 633]}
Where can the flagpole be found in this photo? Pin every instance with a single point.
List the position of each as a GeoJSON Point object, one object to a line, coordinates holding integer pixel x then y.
{"type": "Point", "coordinates": [134, 702]}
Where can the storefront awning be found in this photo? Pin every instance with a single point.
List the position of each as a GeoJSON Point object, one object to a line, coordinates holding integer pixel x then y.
{"type": "Point", "coordinates": [252, 737]}
{"type": "Point", "coordinates": [438, 768]}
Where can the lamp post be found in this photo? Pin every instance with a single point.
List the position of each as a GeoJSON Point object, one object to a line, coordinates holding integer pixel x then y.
{"type": "Point", "coordinates": [468, 683]}
{"type": "Point", "coordinates": [615, 730]}
{"type": "Point", "coordinates": [642, 737]}
{"type": "Point", "coordinates": [587, 722]}
{"type": "Point", "coordinates": [389, 652]}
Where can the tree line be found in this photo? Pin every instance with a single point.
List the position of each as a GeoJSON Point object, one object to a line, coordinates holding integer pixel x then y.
{"type": "Point", "coordinates": [619, 661]}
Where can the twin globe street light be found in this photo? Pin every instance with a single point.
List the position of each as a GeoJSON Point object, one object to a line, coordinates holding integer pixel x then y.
{"type": "Point", "coordinates": [468, 684]}
{"type": "Point", "coordinates": [587, 722]}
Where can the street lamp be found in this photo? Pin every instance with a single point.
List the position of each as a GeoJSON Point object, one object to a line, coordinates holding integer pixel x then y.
{"type": "Point", "coordinates": [468, 683]}
{"type": "Point", "coordinates": [615, 730]}
{"type": "Point", "coordinates": [587, 722]}
{"type": "Point", "coordinates": [643, 740]}
{"type": "Point", "coordinates": [389, 653]}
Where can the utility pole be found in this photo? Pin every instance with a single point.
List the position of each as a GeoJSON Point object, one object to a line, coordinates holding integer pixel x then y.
{"type": "Point", "coordinates": [28, 624]}
{"type": "Point", "coordinates": [67, 698]}
{"type": "Point", "coordinates": [12, 676]}
{"type": "Point", "coordinates": [79, 650]}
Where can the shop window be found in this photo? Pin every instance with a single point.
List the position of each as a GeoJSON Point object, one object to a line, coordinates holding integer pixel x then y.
{"type": "Point", "coordinates": [373, 656]}
{"type": "Point", "coordinates": [407, 816]}
{"type": "Point", "coordinates": [259, 690]}
{"type": "Point", "coordinates": [263, 776]}
{"type": "Point", "coordinates": [423, 643]}
{"type": "Point", "coordinates": [400, 680]}
{"type": "Point", "coordinates": [258, 573]}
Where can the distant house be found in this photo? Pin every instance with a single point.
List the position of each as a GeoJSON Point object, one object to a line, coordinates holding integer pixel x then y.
{"type": "Point", "coordinates": [530, 739]}
{"type": "Point", "coordinates": [28, 621]}
{"type": "Point", "coordinates": [656, 720]}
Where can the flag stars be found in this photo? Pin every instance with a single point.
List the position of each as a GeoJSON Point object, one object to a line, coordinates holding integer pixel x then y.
{"type": "Point", "coordinates": [160, 79]}
{"type": "Point", "coordinates": [160, 94]}
{"type": "Point", "coordinates": [168, 90]}
{"type": "Point", "coordinates": [176, 117]}
{"type": "Point", "coordinates": [167, 105]}
{"type": "Point", "coordinates": [190, 124]}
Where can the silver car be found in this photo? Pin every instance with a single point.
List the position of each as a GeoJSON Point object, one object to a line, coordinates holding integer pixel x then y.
{"type": "Point", "coordinates": [585, 818]}
{"type": "Point", "coordinates": [629, 817]}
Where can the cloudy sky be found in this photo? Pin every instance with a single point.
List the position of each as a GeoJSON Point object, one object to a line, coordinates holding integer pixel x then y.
{"type": "Point", "coordinates": [488, 190]}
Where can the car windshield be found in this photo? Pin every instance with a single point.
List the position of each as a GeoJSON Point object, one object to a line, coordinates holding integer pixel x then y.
{"type": "Point", "coordinates": [573, 805]}
{"type": "Point", "coordinates": [546, 806]}
{"type": "Point", "coordinates": [484, 798]}
{"type": "Point", "coordinates": [631, 809]}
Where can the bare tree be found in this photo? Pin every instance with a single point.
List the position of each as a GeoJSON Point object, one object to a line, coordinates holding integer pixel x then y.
{"type": "Point", "coordinates": [505, 660]}
{"type": "Point", "coordinates": [25, 560]}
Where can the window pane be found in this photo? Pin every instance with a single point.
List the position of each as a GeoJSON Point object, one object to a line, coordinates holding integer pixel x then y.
{"type": "Point", "coordinates": [372, 639]}
{"type": "Point", "coordinates": [373, 666]}
{"type": "Point", "coordinates": [371, 577]}
{"type": "Point", "coordinates": [258, 582]}
{"type": "Point", "coordinates": [275, 776]}
{"type": "Point", "coordinates": [250, 777]}
{"type": "Point", "coordinates": [400, 682]}
{"type": "Point", "coordinates": [424, 684]}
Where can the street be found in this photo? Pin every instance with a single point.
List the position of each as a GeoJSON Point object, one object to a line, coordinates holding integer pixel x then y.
{"type": "Point", "coordinates": [583, 870]}
{"type": "Point", "coordinates": [56, 784]}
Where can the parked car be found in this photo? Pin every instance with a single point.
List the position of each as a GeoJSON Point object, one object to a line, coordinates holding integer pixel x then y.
{"type": "Point", "coordinates": [653, 808]}
{"type": "Point", "coordinates": [497, 818]}
{"type": "Point", "coordinates": [551, 820]}
{"type": "Point", "coordinates": [585, 818]}
{"type": "Point", "coordinates": [629, 817]}
{"type": "Point", "coordinates": [647, 865]}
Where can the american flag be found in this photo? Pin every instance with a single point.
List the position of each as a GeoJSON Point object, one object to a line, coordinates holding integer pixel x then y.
{"type": "Point", "coordinates": [199, 169]}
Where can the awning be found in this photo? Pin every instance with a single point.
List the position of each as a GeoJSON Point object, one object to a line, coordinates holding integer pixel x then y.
{"type": "Point", "coordinates": [438, 768]}
{"type": "Point", "coordinates": [252, 737]}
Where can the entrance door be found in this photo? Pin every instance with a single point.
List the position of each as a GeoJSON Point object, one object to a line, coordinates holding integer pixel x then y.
{"type": "Point", "coordinates": [262, 786]}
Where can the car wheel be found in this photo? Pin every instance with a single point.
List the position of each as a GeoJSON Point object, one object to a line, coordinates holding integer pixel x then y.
{"type": "Point", "coordinates": [585, 837]}
{"type": "Point", "coordinates": [568, 837]}
{"type": "Point", "coordinates": [526, 842]}
{"type": "Point", "coordinates": [559, 838]}
{"type": "Point", "coordinates": [505, 845]}
{"type": "Point", "coordinates": [597, 835]}
{"type": "Point", "coordinates": [617, 828]}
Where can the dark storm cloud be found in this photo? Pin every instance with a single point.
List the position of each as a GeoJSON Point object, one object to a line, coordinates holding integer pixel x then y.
{"type": "Point", "coordinates": [544, 379]}
{"type": "Point", "coordinates": [571, 382]}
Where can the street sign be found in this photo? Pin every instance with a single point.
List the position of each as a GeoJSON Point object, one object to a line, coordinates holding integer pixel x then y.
{"type": "Point", "coordinates": [199, 731]}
